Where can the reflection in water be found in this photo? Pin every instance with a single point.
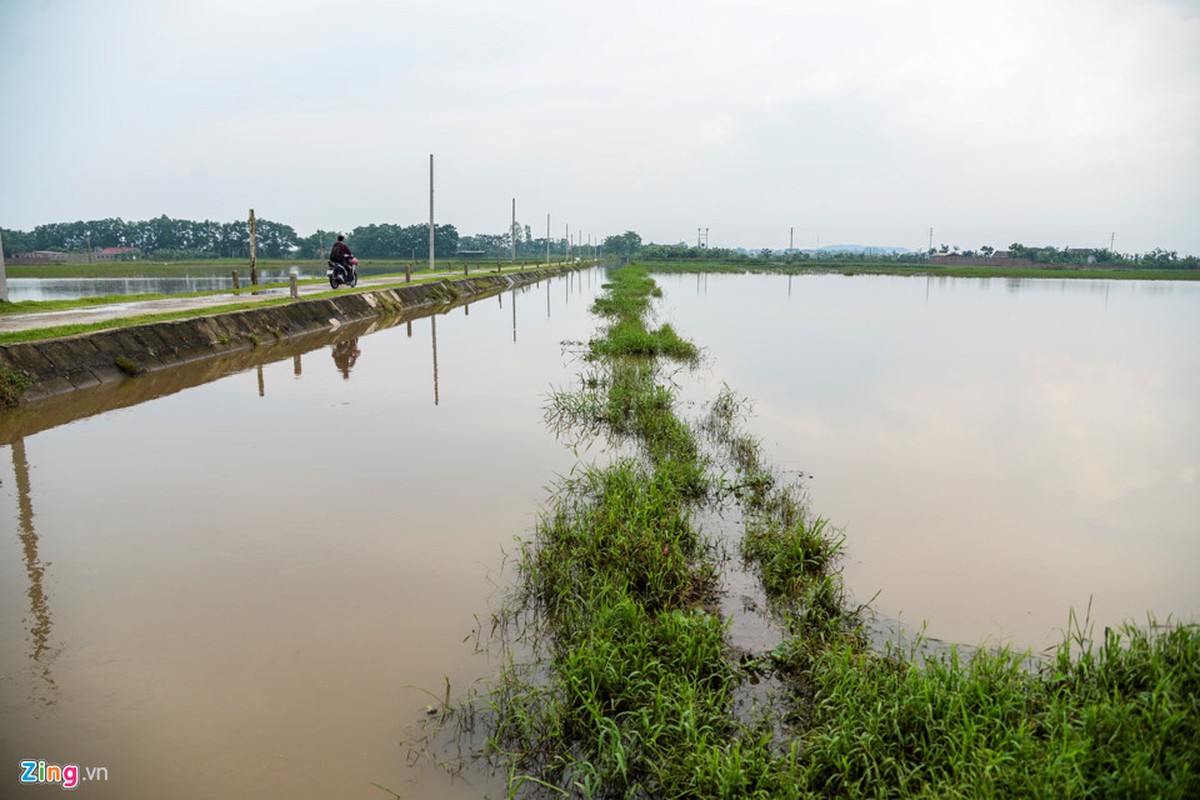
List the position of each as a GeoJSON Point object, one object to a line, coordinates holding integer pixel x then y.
{"type": "Point", "coordinates": [514, 309]}
{"type": "Point", "coordinates": [345, 354]}
{"type": "Point", "coordinates": [262, 386]}
{"type": "Point", "coordinates": [433, 330]}
{"type": "Point", "coordinates": [998, 452]}
{"type": "Point", "coordinates": [40, 624]}
{"type": "Point", "coordinates": [258, 637]}
{"type": "Point", "coordinates": [297, 370]}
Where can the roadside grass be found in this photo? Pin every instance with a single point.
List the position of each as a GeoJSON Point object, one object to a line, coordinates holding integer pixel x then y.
{"type": "Point", "coordinates": [12, 384]}
{"type": "Point", "coordinates": [627, 687]}
{"type": "Point", "coordinates": [58, 331]}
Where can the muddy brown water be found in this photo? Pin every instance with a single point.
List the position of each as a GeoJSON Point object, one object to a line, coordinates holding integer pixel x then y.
{"type": "Point", "coordinates": [245, 587]}
{"type": "Point", "coordinates": [997, 452]}
{"type": "Point", "coordinates": [250, 578]}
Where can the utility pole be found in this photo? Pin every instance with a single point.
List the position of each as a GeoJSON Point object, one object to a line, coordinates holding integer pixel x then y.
{"type": "Point", "coordinates": [431, 259]}
{"type": "Point", "coordinates": [547, 240]}
{"type": "Point", "coordinates": [253, 251]}
{"type": "Point", "coordinates": [1112, 238]}
{"type": "Point", "coordinates": [791, 239]}
{"type": "Point", "coordinates": [567, 241]}
{"type": "Point", "coordinates": [930, 240]}
{"type": "Point", "coordinates": [513, 232]}
{"type": "Point", "coordinates": [3, 275]}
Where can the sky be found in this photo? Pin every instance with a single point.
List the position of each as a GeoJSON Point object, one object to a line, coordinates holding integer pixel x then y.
{"type": "Point", "coordinates": [1072, 123]}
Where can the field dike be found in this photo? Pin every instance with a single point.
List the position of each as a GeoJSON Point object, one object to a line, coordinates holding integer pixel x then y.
{"type": "Point", "coordinates": [34, 370]}
{"type": "Point", "coordinates": [619, 676]}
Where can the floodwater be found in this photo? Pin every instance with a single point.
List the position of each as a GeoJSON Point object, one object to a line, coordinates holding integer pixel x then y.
{"type": "Point", "coordinates": [21, 289]}
{"type": "Point", "coordinates": [248, 578]}
{"type": "Point", "coordinates": [242, 580]}
{"type": "Point", "coordinates": [997, 452]}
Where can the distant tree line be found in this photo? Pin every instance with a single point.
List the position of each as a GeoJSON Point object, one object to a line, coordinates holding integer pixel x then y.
{"type": "Point", "coordinates": [165, 238]}
{"type": "Point", "coordinates": [1101, 257]}
{"type": "Point", "coordinates": [1155, 259]}
{"type": "Point", "coordinates": [161, 237]}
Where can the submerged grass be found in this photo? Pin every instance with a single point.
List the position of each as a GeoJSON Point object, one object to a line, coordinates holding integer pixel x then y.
{"type": "Point", "coordinates": [629, 688]}
{"type": "Point", "coordinates": [626, 306]}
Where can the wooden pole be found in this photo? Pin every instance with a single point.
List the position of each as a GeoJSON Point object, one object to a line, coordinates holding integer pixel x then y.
{"type": "Point", "coordinates": [253, 251]}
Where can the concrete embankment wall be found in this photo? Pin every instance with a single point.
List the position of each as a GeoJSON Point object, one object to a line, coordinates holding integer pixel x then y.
{"type": "Point", "coordinates": [57, 366]}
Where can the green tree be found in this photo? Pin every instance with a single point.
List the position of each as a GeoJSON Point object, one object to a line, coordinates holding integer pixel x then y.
{"type": "Point", "coordinates": [624, 246]}
{"type": "Point", "coordinates": [16, 242]}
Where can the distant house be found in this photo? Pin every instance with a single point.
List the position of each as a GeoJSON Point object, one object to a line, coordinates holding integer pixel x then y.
{"type": "Point", "coordinates": [116, 254]}
{"type": "Point", "coordinates": [58, 257]}
{"type": "Point", "coordinates": [42, 257]}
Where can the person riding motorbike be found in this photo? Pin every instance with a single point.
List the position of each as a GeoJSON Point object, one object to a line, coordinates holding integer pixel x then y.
{"type": "Point", "coordinates": [340, 255]}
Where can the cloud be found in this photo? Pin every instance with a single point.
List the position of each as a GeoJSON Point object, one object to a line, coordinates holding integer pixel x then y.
{"type": "Point", "coordinates": [1045, 122]}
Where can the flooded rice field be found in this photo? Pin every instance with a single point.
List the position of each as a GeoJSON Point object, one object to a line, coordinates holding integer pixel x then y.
{"type": "Point", "coordinates": [250, 579]}
{"type": "Point", "coordinates": [42, 289]}
{"type": "Point", "coordinates": [996, 451]}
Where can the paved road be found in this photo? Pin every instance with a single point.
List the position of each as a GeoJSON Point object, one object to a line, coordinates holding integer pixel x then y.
{"type": "Point", "coordinates": [82, 316]}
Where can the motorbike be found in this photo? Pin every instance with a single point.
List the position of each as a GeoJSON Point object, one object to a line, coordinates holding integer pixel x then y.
{"type": "Point", "coordinates": [340, 275]}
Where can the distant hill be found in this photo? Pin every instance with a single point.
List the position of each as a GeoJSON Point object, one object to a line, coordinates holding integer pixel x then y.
{"type": "Point", "coordinates": [861, 250]}
{"type": "Point", "coordinates": [836, 249]}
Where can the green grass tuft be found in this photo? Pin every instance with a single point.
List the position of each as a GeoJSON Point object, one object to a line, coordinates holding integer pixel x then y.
{"type": "Point", "coordinates": [12, 385]}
